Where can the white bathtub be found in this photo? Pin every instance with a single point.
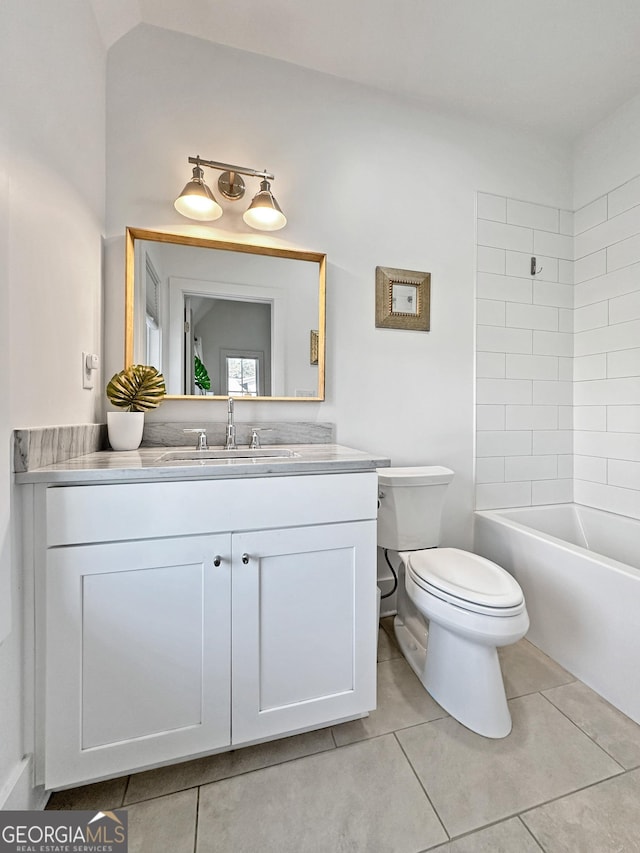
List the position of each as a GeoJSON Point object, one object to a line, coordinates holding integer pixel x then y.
{"type": "Point", "coordinates": [579, 569]}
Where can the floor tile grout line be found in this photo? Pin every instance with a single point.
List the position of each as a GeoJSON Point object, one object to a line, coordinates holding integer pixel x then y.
{"type": "Point", "coordinates": [124, 792]}
{"type": "Point", "coordinates": [237, 775]}
{"type": "Point", "coordinates": [580, 729]}
{"type": "Point", "coordinates": [413, 770]}
{"type": "Point", "coordinates": [565, 795]}
{"type": "Point", "coordinates": [533, 692]}
{"type": "Point", "coordinates": [531, 833]}
{"type": "Point", "coordinates": [197, 826]}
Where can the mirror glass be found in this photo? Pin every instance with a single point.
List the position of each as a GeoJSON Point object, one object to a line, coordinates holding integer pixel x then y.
{"type": "Point", "coordinates": [222, 319]}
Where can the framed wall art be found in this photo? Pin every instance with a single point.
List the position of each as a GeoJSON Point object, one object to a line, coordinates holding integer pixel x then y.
{"type": "Point", "coordinates": [403, 299]}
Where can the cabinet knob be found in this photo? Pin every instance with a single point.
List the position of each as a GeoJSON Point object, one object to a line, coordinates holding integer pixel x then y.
{"type": "Point", "coordinates": [217, 560]}
{"type": "Point", "coordinates": [245, 559]}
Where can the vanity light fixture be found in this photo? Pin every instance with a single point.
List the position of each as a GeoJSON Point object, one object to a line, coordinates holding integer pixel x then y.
{"type": "Point", "coordinates": [196, 201]}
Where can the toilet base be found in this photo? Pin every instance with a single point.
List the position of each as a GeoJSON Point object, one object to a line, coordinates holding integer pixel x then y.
{"type": "Point", "coordinates": [463, 677]}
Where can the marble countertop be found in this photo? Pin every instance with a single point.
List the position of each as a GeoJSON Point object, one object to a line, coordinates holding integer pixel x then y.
{"type": "Point", "coordinates": [141, 465]}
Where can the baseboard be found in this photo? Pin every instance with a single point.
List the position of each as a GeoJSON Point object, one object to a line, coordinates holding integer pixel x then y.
{"type": "Point", "coordinates": [18, 793]}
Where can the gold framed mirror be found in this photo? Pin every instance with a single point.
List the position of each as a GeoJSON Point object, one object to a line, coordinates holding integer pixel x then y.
{"type": "Point", "coordinates": [221, 319]}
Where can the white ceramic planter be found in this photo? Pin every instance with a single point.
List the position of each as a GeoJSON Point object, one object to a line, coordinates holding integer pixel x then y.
{"type": "Point", "coordinates": [125, 429]}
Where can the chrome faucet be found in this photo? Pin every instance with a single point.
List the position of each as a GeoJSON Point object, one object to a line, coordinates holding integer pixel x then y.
{"type": "Point", "coordinates": [202, 438]}
{"type": "Point", "coordinates": [230, 441]}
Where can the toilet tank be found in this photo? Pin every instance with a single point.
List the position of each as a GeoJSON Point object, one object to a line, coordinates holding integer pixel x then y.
{"type": "Point", "coordinates": [410, 506]}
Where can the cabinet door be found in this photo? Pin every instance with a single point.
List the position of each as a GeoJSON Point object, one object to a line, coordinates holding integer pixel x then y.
{"type": "Point", "coordinates": [304, 627]}
{"type": "Point", "coordinates": [138, 655]}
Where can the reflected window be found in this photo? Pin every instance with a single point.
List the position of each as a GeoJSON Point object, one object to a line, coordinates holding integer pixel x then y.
{"type": "Point", "coordinates": [243, 374]}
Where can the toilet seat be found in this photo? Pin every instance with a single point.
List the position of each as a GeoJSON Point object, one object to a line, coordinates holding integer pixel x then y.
{"type": "Point", "coordinates": [465, 580]}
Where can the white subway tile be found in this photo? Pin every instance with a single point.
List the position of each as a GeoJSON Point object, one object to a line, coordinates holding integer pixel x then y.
{"type": "Point", "coordinates": [624, 197]}
{"type": "Point", "coordinates": [490, 470]}
{"type": "Point", "coordinates": [565, 417]}
{"type": "Point", "coordinates": [565, 320]}
{"type": "Point", "coordinates": [607, 392]}
{"type": "Point", "coordinates": [623, 419]}
{"type": "Point", "coordinates": [492, 207]}
{"type": "Point", "coordinates": [530, 468]}
{"type": "Point", "coordinates": [546, 393]}
{"type": "Point", "coordinates": [519, 264]}
{"type": "Point", "coordinates": [608, 233]}
{"type": "Point", "coordinates": [551, 492]}
{"type": "Point", "coordinates": [492, 286]}
{"type": "Point", "coordinates": [531, 316]}
{"type": "Point", "coordinates": [565, 466]}
{"type": "Point", "coordinates": [503, 443]}
{"type": "Point", "coordinates": [502, 236]}
{"type": "Point", "coordinates": [553, 245]}
{"type": "Point", "coordinates": [591, 316]}
{"type": "Point", "coordinates": [490, 417]}
{"type": "Point", "coordinates": [531, 417]}
{"type": "Point", "coordinates": [614, 445]}
{"type": "Point", "coordinates": [566, 271]}
{"type": "Point", "coordinates": [552, 343]}
{"type": "Point", "coordinates": [491, 365]}
{"type": "Point", "coordinates": [565, 369]}
{"type": "Point", "coordinates": [625, 307]}
{"type": "Point", "coordinates": [551, 293]}
{"type": "Point", "coordinates": [590, 267]}
{"type": "Point", "coordinates": [624, 362]}
{"type": "Point", "coordinates": [608, 286]}
{"type": "Point", "coordinates": [590, 215]}
{"type": "Point", "coordinates": [552, 441]}
{"type": "Point", "coordinates": [567, 224]}
{"type": "Point", "coordinates": [531, 366]}
{"type": "Point", "coordinates": [532, 215]}
{"type": "Point", "coordinates": [624, 253]}
{"type": "Point", "coordinates": [498, 391]}
{"type": "Point", "coordinates": [607, 338]}
{"type": "Point", "coordinates": [498, 339]}
{"type": "Point", "coordinates": [590, 367]}
{"type": "Point", "coordinates": [625, 474]}
{"type": "Point", "coordinates": [592, 418]}
{"type": "Point", "coordinates": [503, 495]}
{"type": "Point", "coordinates": [610, 498]}
{"type": "Point", "coordinates": [491, 260]}
{"type": "Point", "coordinates": [490, 312]}
{"type": "Point", "coordinates": [593, 468]}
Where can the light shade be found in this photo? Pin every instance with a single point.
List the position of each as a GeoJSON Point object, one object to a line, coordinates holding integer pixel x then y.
{"type": "Point", "coordinates": [196, 201]}
{"type": "Point", "coordinates": [264, 212]}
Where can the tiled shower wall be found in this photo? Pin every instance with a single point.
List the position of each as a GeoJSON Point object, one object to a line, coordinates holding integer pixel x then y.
{"type": "Point", "coordinates": [607, 351]}
{"type": "Point", "coordinates": [558, 362]}
{"type": "Point", "coordinates": [524, 357]}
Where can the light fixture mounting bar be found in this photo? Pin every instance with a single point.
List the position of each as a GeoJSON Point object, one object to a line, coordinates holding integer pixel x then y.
{"type": "Point", "coordinates": [227, 167]}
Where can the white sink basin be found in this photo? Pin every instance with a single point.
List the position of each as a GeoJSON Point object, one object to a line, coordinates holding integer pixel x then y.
{"type": "Point", "coordinates": [221, 455]}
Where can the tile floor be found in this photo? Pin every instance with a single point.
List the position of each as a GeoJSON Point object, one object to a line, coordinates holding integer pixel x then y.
{"type": "Point", "coordinates": [406, 779]}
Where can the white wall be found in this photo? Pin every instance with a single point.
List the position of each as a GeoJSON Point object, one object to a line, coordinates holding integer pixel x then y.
{"type": "Point", "coordinates": [607, 156]}
{"type": "Point", "coordinates": [52, 168]}
{"type": "Point", "coordinates": [363, 176]}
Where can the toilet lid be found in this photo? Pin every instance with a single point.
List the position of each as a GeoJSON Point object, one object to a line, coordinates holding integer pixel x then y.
{"type": "Point", "coordinates": [466, 577]}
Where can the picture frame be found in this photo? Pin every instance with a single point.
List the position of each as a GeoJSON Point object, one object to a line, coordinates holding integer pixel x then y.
{"type": "Point", "coordinates": [403, 299]}
{"type": "Point", "coordinates": [313, 346]}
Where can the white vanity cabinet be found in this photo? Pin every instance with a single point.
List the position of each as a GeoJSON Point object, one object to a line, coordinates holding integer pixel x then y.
{"type": "Point", "coordinates": [184, 618]}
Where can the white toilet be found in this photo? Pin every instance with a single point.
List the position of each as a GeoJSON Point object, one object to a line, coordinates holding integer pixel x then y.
{"type": "Point", "coordinates": [472, 605]}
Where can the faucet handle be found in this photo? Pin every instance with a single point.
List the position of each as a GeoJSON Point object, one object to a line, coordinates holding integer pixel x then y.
{"type": "Point", "coordinates": [255, 438]}
{"type": "Point", "coordinates": [201, 443]}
